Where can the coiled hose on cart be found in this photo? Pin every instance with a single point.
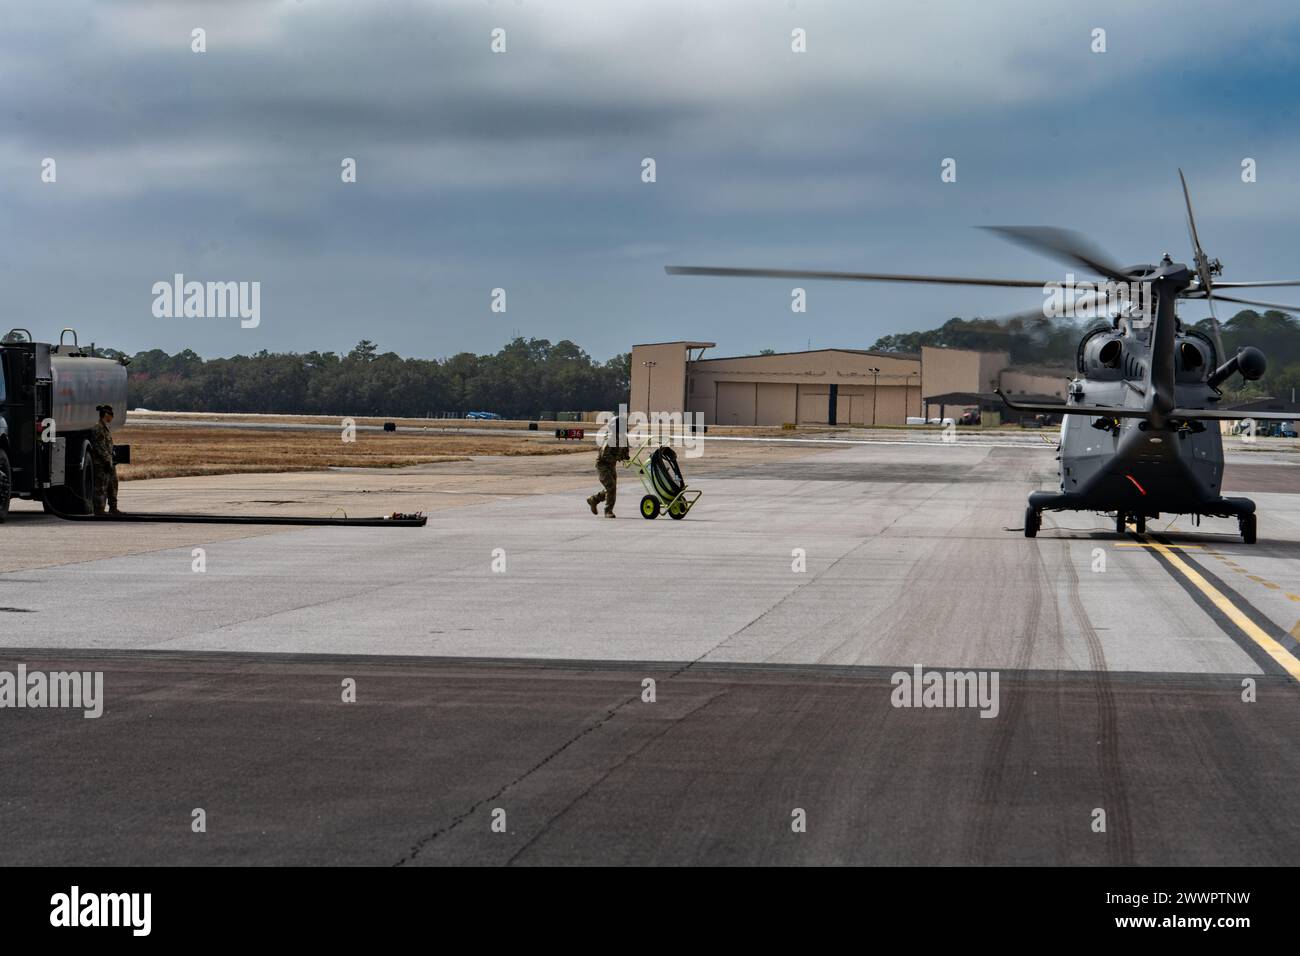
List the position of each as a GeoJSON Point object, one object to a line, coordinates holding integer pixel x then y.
{"type": "Point", "coordinates": [665, 473]}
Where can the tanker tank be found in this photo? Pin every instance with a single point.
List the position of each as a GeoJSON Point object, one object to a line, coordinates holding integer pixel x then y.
{"type": "Point", "coordinates": [80, 384]}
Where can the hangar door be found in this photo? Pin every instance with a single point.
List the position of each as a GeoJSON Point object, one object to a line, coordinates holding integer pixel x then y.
{"type": "Point", "coordinates": [737, 403]}
{"type": "Point", "coordinates": [853, 405]}
{"type": "Point", "coordinates": [815, 403]}
{"type": "Point", "coordinates": [777, 403]}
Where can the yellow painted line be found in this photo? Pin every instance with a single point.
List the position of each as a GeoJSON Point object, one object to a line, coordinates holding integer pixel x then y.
{"type": "Point", "coordinates": [1295, 631]}
{"type": "Point", "coordinates": [1267, 584]}
{"type": "Point", "coordinates": [1132, 544]}
{"type": "Point", "coordinates": [1293, 597]}
{"type": "Point", "coordinates": [1252, 630]}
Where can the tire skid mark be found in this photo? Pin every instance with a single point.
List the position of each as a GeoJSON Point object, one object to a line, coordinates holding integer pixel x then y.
{"type": "Point", "coordinates": [1114, 790]}
{"type": "Point", "coordinates": [979, 838]}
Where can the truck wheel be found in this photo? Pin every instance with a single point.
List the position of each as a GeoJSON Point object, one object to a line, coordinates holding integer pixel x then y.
{"type": "Point", "coordinates": [6, 485]}
{"type": "Point", "coordinates": [77, 495]}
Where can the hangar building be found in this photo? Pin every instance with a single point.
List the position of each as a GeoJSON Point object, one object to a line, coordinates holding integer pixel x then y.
{"type": "Point", "coordinates": [822, 386]}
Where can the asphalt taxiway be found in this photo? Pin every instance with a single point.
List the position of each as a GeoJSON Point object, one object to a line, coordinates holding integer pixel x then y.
{"type": "Point", "coordinates": [500, 657]}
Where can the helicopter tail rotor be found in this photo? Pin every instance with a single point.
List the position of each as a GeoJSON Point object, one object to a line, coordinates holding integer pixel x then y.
{"type": "Point", "coordinates": [1206, 268]}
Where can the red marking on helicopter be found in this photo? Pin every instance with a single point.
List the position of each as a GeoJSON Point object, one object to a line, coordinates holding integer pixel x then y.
{"type": "Point", "coordinates": [1135, 484]}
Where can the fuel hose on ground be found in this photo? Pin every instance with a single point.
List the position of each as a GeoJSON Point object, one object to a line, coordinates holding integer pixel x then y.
{"type": "Point", "coordinates": [395, 520]}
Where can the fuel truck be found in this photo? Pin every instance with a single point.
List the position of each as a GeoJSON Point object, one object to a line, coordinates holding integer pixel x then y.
{"type": "Point", "coordinates": [48, 397]}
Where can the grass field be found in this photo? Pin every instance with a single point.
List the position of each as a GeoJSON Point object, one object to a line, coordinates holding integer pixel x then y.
{"type": "Point", "coordinates": [176, 451]}
{"type": "Point", "coordinates": [164, 445]}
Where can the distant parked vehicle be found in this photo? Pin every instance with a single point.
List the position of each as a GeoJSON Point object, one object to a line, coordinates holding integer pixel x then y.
{"type": "Point", "coordinates": [484, 416]}
{"type": "Point", "coordinates": [1266, 429]}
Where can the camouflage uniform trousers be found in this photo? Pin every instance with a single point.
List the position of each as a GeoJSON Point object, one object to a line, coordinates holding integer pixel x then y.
{"type": "Point", "coordinates": [608, 481]}
{"type": "Point", "coordinates": [105, 472]}
{"type": "Point", "coordinates": [105, 488]}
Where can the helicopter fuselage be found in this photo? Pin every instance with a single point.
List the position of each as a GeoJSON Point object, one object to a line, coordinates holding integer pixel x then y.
{"type": "Point", "coordinates": [1131, 467]}
{"type": "Point", "coordinates": [1150, 463]}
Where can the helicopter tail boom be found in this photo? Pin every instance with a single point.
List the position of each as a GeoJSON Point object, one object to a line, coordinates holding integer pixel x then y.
{"type": "Point", "coordinates": [1101, 411]}
{"type": "Point", "coordinates": [1230, 415]}
{"type": "Point", "coordinates": [1115, 411]}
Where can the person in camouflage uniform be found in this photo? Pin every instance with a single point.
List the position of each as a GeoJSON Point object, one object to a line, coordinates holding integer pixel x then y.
{"type": "Point", "coordinates": [614, 450]}
{"type": "Point", "coordinates": [101, 454]}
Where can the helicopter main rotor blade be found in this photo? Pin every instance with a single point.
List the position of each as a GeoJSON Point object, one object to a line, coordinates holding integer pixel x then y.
{"type": "Point", "coordinates": [728, 272]}
{"type": "Point", "coordinates": [1191, 227]}
{"type": "Point", "coordinates": [1202, 263]}
{"type": "Point", "coordinates": [1270, 305]}
{"type": "Point", "coordinates": [1064, 246]}
{"type": "Point", "coordinates": [1255, 285]}
{"type": "Point", "coordinates": [1214, 322]}
{"type": "Point", "coordinates": [1085, 302]}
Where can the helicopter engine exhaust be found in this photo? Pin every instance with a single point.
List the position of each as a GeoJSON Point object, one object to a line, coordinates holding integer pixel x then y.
{"type": "Point", "coordinates": [1249, 361]}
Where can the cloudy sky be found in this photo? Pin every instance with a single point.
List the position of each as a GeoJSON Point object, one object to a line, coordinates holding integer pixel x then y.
{"type": "Point", "coordinates": [523, 170]}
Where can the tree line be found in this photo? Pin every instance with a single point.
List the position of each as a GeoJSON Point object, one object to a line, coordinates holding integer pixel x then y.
{"type": "Point", "coordinates": [1055, 342]}
{"type": "Point", "coordinates": [535, 378]}
{"type": "Point", "coordinates": [528, 378]}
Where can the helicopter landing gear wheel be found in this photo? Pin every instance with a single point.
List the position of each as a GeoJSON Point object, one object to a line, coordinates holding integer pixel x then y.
{"type": "Point", "coordinates": [1140, 521]}
{"type": "Point", "coordinates": [1247, 525]}
{"type": "Point", "coordinates": [1033, 521]}
{"type": "Point", "coordinates": [1120, 526]}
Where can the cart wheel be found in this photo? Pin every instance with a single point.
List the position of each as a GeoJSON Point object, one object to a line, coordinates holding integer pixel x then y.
{"type": "Point", "coordinates": [677, 510]}
{"type": "Point", "coordinates": [649, 507]}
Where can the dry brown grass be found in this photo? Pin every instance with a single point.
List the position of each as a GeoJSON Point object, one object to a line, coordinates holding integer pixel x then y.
{"type": "Point", "coordinates": [440, 424]}
{"type": "Point", "coordinates": [178, 451]}
{"type": "Point", "coordinates": [335, 420]}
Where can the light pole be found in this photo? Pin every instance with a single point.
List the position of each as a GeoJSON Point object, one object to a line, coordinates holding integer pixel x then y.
{"type": "Point", "coordinates": [649, 372]}
{"type": "Point", "coordinates": [875, 374]}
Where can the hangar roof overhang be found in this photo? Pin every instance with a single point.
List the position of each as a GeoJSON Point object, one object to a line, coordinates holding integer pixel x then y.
{"type": "Point", "coordinates": [989, 400]}
{"type": "Point", "coordinates": [897, 356]}
{"type": "Point", "coordinates": [1265, 405]}
{"type": "Point", "coordinates": [686, 344]}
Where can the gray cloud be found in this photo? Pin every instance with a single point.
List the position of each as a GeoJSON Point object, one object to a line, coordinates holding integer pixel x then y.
{"type": "Point", "coordinates": [522, 170]}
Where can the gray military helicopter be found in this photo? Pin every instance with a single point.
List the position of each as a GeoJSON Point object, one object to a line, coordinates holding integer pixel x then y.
{"type": "Point", "coordinates": [1133, 440]}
